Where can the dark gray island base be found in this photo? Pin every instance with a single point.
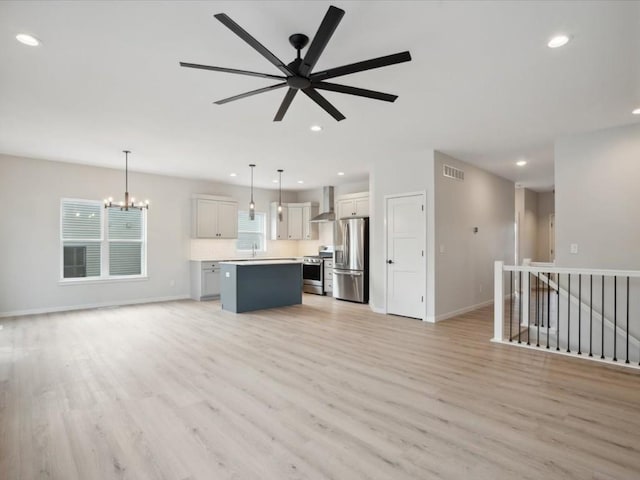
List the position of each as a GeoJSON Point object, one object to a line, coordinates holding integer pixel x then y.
{"type": "Point", "coordinates": [256, 285]}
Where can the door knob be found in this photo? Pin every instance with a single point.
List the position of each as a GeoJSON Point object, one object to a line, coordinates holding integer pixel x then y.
{"type": "Point", "coordinates": [389, 262]}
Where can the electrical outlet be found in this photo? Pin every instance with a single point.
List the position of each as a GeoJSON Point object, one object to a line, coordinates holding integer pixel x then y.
{"type": "Point", "coordinates": [172, 283]}
{"type": "Point", "coordinates": [574, 248]}
{"type": "Point", "coordinates": [441, 248]}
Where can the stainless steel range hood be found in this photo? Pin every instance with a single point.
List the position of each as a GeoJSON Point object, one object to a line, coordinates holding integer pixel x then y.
{"type": "Point", "coordinates": [327, 214]}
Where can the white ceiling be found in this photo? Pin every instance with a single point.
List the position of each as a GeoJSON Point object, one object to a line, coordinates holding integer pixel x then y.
{"type": "Point", "coordinates": [482, 86]}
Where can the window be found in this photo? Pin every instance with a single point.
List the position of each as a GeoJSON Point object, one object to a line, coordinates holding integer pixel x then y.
{"type": "Point", "coordinates": [101, 243]}
{"type": "Point", "coordinates": [251, 233]}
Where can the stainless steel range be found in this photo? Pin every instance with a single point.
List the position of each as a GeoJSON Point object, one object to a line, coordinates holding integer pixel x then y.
{"type": "Point", "coordinates": [313, 271]}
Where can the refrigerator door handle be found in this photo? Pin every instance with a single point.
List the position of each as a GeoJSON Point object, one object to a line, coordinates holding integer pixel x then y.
{"type": "Point", "coordinates": [347, 246]}
{"type": "Point", "coordinates": [351, 274]}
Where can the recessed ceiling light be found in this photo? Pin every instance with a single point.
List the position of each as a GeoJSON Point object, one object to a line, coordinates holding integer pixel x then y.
{"type": "Point", "coordinates": [28, 39]}
{"type": "Point", "coordinates": [521, 163]}
{"type": "Point", "coordinates": [558, 41]}
{"type": "Point", "coordinates": [636, 111]}
{"type": "Point", "coordinates": [275, 180]}
{"type": "Point", "coordinates": [341, 173]}
{"type": "Point", "coordinates": [233, 174]}
{"type": "Point", "coordinates": [300, 181]}
{"type": "Point", "coordinates": [316, 128]}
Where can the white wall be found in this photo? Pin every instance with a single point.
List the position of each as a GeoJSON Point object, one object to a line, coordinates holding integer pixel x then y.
{"type": "Point", "coordinates": [464, 259]}
{"type": "Point", "coordinates": [31, 191]}
{"type": "Point", "coordinates": [325, 229]}
{"type": "Point", "coordinates": [526, 205]}
{"type": "Point", "coordinates": [597, 198]}
{"type": "Point", "coordinates": [391, 176]}
{"type": "Point", "coordinates": [546, 206]}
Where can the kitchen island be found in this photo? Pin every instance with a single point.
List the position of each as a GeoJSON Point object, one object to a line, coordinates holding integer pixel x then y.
{"type": "Point", "coordinates": [259, 284]}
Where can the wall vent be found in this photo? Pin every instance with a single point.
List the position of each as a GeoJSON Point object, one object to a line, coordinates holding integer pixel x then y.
{"type": "Point", "coordinates": [452, 172]}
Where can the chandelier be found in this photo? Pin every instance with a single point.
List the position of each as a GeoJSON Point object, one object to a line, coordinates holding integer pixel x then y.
{"type": "Point", "coordinates": [128, 203]}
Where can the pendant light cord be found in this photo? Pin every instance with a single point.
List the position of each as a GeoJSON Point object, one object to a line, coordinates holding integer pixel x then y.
{"type": "Point", "coordinates": [126, 170]}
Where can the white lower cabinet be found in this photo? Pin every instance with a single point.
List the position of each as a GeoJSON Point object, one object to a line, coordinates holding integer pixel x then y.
{"type": "Point", "coordinates": [205, 280]}
{"type": "Point", "coordinates": [328, 277]}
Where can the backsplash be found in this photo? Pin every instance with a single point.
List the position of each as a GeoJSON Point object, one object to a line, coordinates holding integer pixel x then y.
{"type": "Point", "coordinates": [210, 249]}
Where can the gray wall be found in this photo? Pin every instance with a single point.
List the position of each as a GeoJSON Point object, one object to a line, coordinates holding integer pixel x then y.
{"type": "Point", "coordinates": [597, 198]}
{"type": "Point", "coordinates": [526, 202]}
{"type": "Point", "coordinates": [392, 176]}
{"type": "Point", "coordinates": [31, 191]}
{"type": "Point", "coordinates": [464, 259]}
{"type": "Point", "coordinates": [546, 206]}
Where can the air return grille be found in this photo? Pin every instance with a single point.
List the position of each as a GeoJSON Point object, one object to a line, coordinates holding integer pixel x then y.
{"type": "Point", "coordinates": [452, 172]}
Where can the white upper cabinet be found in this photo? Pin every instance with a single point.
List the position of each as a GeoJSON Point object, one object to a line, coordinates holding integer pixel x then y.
{"type": "Point", "coordinates": [279, 229]}
{"type": "Point", "coordinates": [353, 205]}
{"type": "Point", "coordinates": [228, 219]}
{"type": "Point", "coordinates": [295, 221]}
{"type": "Point", "coordinates": [309, 230]}
{"type": "Point", "coordinates": [295, 224]}
{"type": "Point", "coordinates": [214, 217]}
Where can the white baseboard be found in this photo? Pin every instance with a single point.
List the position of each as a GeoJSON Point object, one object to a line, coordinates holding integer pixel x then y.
{"type": "Point", "coordinates": [375, 309]}
{"type": "Point", "coordinates": [36, 311]}
{"type": "Point", "coordinates": [455, 313]}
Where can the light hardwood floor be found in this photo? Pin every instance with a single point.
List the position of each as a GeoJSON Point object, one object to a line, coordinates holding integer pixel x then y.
{"type": "Point", "coordinates": [182, 390]}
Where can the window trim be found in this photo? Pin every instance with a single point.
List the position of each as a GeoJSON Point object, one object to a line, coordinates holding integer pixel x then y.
{"type": "Point", "coordinates": [264, 232]}
{"type": "Point", "coordinates": [104, 250]}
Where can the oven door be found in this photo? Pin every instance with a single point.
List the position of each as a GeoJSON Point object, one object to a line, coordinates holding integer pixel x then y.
{"type": "Point", "coordinates": [312, 276]}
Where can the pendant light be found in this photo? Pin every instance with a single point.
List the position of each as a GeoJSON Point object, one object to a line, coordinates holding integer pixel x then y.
{"type": "Point", "coordinates": [128, 203]}
{"type": "Point", "coordinates": [252, 205]}
{"type": "Point", "coordinates": [280, 195]}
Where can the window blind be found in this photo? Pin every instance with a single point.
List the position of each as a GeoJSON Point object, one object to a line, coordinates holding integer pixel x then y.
{"type": "Point", "coordinates": [81, 231]}
{"type": "Point", "coordinates": [251, 232]}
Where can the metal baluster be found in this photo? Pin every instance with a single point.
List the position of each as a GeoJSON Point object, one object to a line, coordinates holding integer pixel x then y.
{"type": "Point", "coordinates": [529, 310]}
{"type": "Point", "coordinates": [548, 306]}
{"type": "Point", "coordinates": [615, 318]}
{"type": "Point", "coordinates": [510, 303]}
{"type": "Point", "coordinates": [602, 323]}
{"type": "Point", "coordinates": [627, 360]}
{"type": "Point", "coordinates": [569, 313]}
{"type": "Point", "coordinates": [590, 315]}
{"type": "Point", "coordinates": [558, 317]}
{"type": "Point", "coordinates": [519, 304]}
{"type": "Point", "coordinates": [579, 313]}
{"type": "Point", "coordinates": [542, 300]}
{"type": "Point", "coordinates": [537, 310]}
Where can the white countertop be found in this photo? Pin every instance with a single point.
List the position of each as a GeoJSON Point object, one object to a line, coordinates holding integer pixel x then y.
{"type": "Point", "coordinates": [262, 262]}
{"type": "Point", "coordinates": [248, 259]}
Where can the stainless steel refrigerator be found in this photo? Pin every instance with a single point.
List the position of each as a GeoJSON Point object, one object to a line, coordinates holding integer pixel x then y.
{"type": "Point", "coordinates": [351, 259]}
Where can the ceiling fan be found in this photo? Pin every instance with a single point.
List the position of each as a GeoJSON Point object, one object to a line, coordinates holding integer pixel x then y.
{"type": "Point", "coordinates": [298, 74]}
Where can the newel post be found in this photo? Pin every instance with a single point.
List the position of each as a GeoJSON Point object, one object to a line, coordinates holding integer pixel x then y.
{"type": "Point", "coordinates": [498, 301]}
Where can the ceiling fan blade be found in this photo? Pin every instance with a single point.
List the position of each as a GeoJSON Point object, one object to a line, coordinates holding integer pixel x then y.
{"type": "Point", "coordinates": [284, 106]}
{"type": "Point", "coordinates": [361, 92]}
{"type": "Point", "coordinates": [244, 35]}
{"type": "Point", "coordinates": [249, 94]}
{"type": "Point", "coordinates": [323, 102]}
{"type": "Point", "coordinates": [323, 35]}
{"type": "Point", "coordinates": [231, 70]}
{"type": "Point", "coordinates": [362, 66]}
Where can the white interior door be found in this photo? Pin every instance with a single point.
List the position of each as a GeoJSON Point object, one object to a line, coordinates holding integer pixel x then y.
{"type": "Point", "coordinates": [406, 289]}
